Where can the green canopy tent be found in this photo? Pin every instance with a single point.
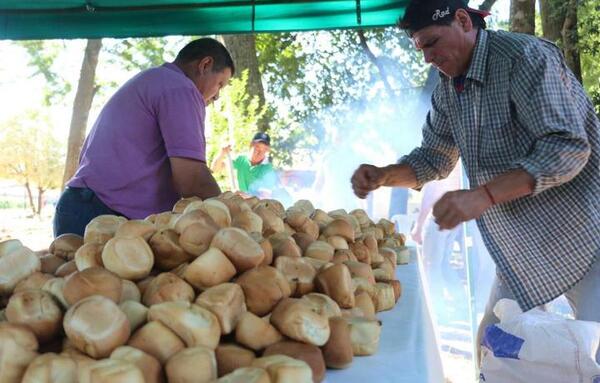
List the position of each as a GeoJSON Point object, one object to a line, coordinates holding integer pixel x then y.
{"type": "Point", "coordinates": [66, 19]}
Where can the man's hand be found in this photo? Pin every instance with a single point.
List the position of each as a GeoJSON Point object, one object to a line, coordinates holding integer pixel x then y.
{"type": "Point", "coordinates": [460, 206]}
{"type": "Point", "coordinates": [226, 149]}
{"type": "Point", "coordinates": [366, 179]}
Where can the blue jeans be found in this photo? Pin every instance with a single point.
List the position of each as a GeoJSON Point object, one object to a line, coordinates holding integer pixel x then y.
{"type": "Point", "coordinates": [76, 208]}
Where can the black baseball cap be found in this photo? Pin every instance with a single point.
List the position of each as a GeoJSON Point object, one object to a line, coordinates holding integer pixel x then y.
{"type": "Point", "coordinates": [420, 14]}
{"type": "Point", "coordinates": [262, 137]}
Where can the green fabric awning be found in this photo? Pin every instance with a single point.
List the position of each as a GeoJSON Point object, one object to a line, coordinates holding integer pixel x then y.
{"type": "Point", "coordinates": [65, 19]}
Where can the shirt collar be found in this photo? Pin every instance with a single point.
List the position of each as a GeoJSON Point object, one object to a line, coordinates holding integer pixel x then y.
{"type": "Point", "coordinates": [477, 68]}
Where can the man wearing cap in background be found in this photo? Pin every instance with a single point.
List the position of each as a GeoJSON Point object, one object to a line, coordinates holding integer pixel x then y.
{"type": "Point", "coordinates": [255, 174]}
{"type": "Point", "coordinates": [529, 139]}
{"type": "Point", "coordinates": [147, 147]}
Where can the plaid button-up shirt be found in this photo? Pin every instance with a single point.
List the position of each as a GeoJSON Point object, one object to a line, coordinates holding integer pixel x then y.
{"type": "Point", "coordinates": [522, 108]}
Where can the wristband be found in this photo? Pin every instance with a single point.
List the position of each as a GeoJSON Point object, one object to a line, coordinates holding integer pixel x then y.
{"type": "Point", "coordinates": [489, 194]}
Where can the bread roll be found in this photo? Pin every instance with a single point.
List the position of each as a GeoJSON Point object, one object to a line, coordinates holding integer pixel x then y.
{"type": "Point", "coordinates": [267, 249]}
{"type": "Point", "coordinates": [50, 263]}
{"type": "Point", "coordinates": [365, 303]}
{"type": "Point", "coordinates": [18, 347]}
{"type": "Point", "coordinates": [180, 270]}
{"type": "Point", "coordinates": [361, 252]}
{"type": "Point", "coordinates": [384, 298]}
{"type": "Point", "coordinates": [305, 206]}
{"type": "Point", "coordinates": [364, 334]}
{"type": "Point", "coordinates": [310, 354]}
{"type": "Point", "coordinates": [129, 258]}
{"type": "Point", "coordinates": [167, 287]}
{"type": "Point", "coordinates": [194, 217]}
{"type": "Point", "coordinates": [338, 242]}
{"type": "Point", "coordinates": [16, 266]}
{"type": "Point", "coordinates": [66, 269]}
{"type": "Point", "coordinates": [231, 357]}
{"type": "Point", "coordinates": [359, 269]}
{"type": "Point", "coordinates": [196, 238]}
{"type": "Point", "coordinates": [322, 305]}
{"type": "Point", "coordinates": [148, 365]}
{"type": "Point", "coordinates": [338, 352]}
{"type": "Point", "coordinates": [194, 324]}
{"type": "Point", "coordinates": [110, 371]}
{"type": "Point", "coordinates": [92, 281]}
{"type": "Point", "coordinates": [246, 375]}
{"type": "Point", "coordinates": [303, 224]}
{"type": "Point", "coordinates": [102, 228]}
{"type": "Point", "coordinates": [180, 205]}
{"type": "Point", "coordinates": [272, 223]}
{"type": "Point", "coordinates": [295, 319]}
{"type": "Point", "coordinates": [55, 286]}
{"type": "Point", "coordinates": [34, 281]}
{"type": "Point", "coordinates": [239, 247]}
{"type": "Point", "coordinates": [361, 216]}
{"type": "Point", "coordinates": [377, 232]}
{"type": "Point", "coordinates": [195, 364]}
{"type": "Point", "coordinates": [363, 285]}
{"type": "Point", "coordinates": [37, 310]}
{"type": "Point", "coordinates": [209, 269]}
{"type": "Point", "coordinates": [155, 339]}
{"type": "Point", "coordinates": [89, 255]}
{"type": "Point", "coordinates": [397, 286]}
{"type": "Point", "coordinates": [129, 292]}
{"type": "Point", "coordinates": [227, 302]}
{"type": "Point", "coordinates": [284, 245]}
{"type": "Point", "coordinates": [263, 287]}
{"type": "Point", "coordinates": [336, 282]}
{"type": "Point", "coordinates": [65, 245]}
{"type": "Point", "coordinates": [403, 255]}
{"type": "Point", "coordinates": [248, 221]}
{"type": "Point", "coordinates": [255, 333]}
{"type": "Point", "coordinates": [144, 283]}
{"type": "Point", "coordinates": [340, 227]}
{"type": "Point", "coordinates": [371, 243]}
{"type": "Point", "coordinates": [218, 211]}
{"type": "Point", "coordinates": [135, 312]}
{"type": "Point", "coordinates": [273, 205]}
{"type": "Point", "coordinates": [50, 368]}
{"type": "Point", "coordinates": [318, 264]}
{"type": "Point", "coordinates": [283, 369]}
{"type": "Point", "coordinates": [303, 240]}
{"type": "Point", "coordinates": [234, 204]}
{"type": "Point", "coordinates": [299, 273]}
{"type": "Point", "coordinates": [136, 228]}
{"type": "Point", "coordinates": [9, 245]}
{"type": "Point", "coordinates": [320, 250]}
{"type": "Point", "coordinates": [321, 218]}
{"type": "Point", "coordinates": [96, 326]}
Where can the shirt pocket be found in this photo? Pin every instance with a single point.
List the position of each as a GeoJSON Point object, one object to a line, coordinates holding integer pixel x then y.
{"type": "Point", "coordinates": [497, 144]}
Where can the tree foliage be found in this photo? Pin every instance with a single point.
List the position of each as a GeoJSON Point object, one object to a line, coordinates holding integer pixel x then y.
{"type": "Point", "coordinates": [31, 154]}
{"type": "Point", "coordinates": [589, 42]}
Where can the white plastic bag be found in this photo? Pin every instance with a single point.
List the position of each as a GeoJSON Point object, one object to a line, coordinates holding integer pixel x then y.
{"type": "Point", "coordinates": [537, 346]}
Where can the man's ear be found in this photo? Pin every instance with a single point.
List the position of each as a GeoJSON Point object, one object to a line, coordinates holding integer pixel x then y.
{"type": "Point", "coordinates": [464, 20]}
{"type": "Point", "coordinates": [205, 65]}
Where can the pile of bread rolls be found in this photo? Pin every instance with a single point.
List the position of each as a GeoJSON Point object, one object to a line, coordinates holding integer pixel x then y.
{"type": "Point", "coordinates": [222, 290]}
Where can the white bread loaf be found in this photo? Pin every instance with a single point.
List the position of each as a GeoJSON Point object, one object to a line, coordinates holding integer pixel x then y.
{"type": "Point", "coordinates": [227, 302]}
{"type": "Point", "coordinates": [195, 364]}
{"type": "Point", "coordinates": [15, 266]}
{"type": "Point", "coordinates": [263, 287]}
{"type": "Point", "coordinates": [37, 310]}
{"type": "Point", "coordinates": [239, 247]}
{"type": "Point", "coordinates": [136, 313]}
{"type": "Point", "coordinates": [209, 269]}
{"type": "Point", "coordinates": [338, 352]}
{"type": "Point", "coordinates": [102, 228]}
{"type": "Point", "coordinates": [148, 365]}
{"type": "Point", "coordinates": [110, 371]}
{"type": "Point", "coordinates": [167, 287]}
{"type": "Point", "coordinates": [255, 333]}
{"type": "Point", "coordinates": [65, 246]}
{"type": "Point", "coordinates": [231, 357]}
{"type": "Point", "coordinates": [336, 282]}
{"type": "Point", "coordinates": [128, 257]}
{"type": "Point", "coordinates": [295, 319]}
{"type": "Point", "coordinates": [51, 368]}
{"type": "Point", "coordinates": [283, 369]}
{"type": "Point", "coordinates": [92, 281]}
{"type": "Point", "coordinates": [155, 339]}
{"type": "Point", "coordinates": [246, 375]}
{"type": "Point", "coordinates": [96, 326]}
{"type": "Point", "coordinates": [18, 347]}
{"type": "Point", "coordinates": [194, 324]}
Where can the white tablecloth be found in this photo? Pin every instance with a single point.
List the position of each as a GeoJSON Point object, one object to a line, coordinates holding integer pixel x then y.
{"type": "Point", "coordinates": [408, 350]}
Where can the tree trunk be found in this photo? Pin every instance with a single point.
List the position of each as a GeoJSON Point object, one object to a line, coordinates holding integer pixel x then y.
{"type": "Point", "coordinates": [487, 5]}
{"type": "Point", "coordinates": [31, 204]}
{"type": "Point", "coordinates": [553, 14]}
{"type": "Point", "coordinates": [570, 39]}
{"type": "Point", "coordinates": [522, 16]}
{"type": "Point", "coordinates": [81, 107]}
{"type": "Point", "coordinates": [382, 72]}
{"type": "Point", "coordinates": [40, 200]}
{"type": "Point", "coordinates": [243, 52]}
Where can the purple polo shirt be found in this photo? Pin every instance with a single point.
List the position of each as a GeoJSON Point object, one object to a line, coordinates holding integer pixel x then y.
{"type": "Point", "coordinates": [125, 159]}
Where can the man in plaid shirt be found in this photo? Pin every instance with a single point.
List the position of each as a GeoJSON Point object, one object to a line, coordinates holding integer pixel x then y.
{"type": "Point", "coordinates": [529, 139]}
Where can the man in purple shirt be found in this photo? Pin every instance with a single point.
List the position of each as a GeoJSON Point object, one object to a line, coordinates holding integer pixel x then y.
{"type": "Point", "coordinates": [147, 148]}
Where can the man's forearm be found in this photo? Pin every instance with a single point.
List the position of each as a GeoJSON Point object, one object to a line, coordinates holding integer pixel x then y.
{"type": "Point", "coordinates": [399, 175]}
{"type": "Point", "coordinates": [218, 162]}
{"type": "Point", "coordinates": [510, 186]}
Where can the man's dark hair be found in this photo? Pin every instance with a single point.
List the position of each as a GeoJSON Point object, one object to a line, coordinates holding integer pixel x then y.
{"type": "Point", "coordinates": [421, 14]}
{"type": "Point", "coordinates": [206, 47]}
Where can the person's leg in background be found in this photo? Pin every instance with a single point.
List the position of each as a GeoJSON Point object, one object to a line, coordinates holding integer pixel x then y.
{"type": "Point", "coordinates": [75, 209]}
{"type": "Point", "coordinates": [584, 297]}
